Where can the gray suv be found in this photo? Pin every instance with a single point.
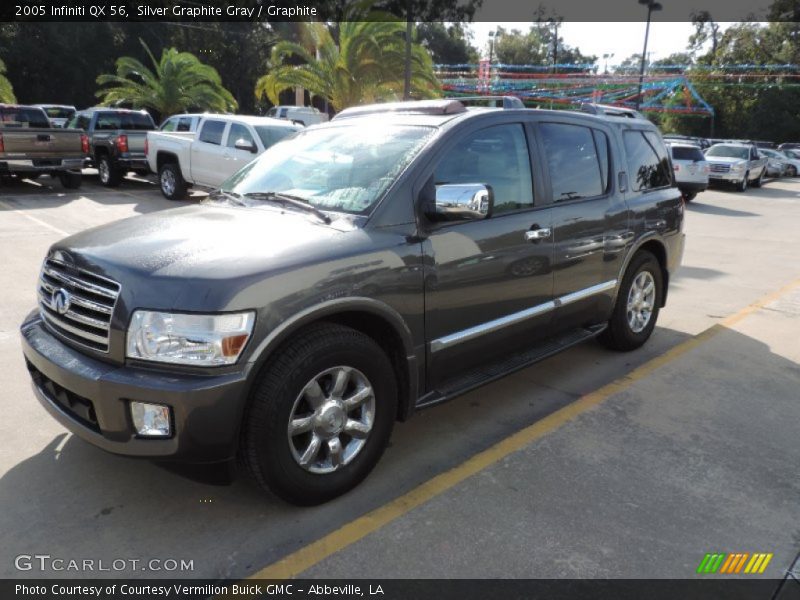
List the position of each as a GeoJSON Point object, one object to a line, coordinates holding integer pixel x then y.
{"type": "Point", "coordinates": [353, 274]}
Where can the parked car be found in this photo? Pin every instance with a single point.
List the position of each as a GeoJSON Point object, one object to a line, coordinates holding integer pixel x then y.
{"type": "Point", "coordinates": [736, 163]}
{"type": "Point", "coordinates": [343, 280]}
{"type": "Point", "coordinates": [59, 114]}
{"type": "Point", "coordinates": [182, 123]}
{"type": "Point", "coordinates": [788, 165]}
{"type": "Point", "coordinates": [30, 146]}
{"type": "Point", "coordinates": [304, 115]}
{"type": "Point", "coordinates": [691, 169]}
{"type": "Point", "coordinates": [789, 146]}
{"type": "Point", "coordinates": [792, 154]}
{"type": "Point", "coordinates": [224, 144]}
{"type": "Point", "coordinates": [777, 164]}
{"type": "Point", "coordinates": [116, 141]}
{"type": "Point", "coordinates": [703, 143]}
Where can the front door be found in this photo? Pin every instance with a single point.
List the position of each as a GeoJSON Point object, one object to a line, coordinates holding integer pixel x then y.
{"type": "Point", "coordinates": [488, 283]}
{"type": "Point", "coordinates": [208, 154]}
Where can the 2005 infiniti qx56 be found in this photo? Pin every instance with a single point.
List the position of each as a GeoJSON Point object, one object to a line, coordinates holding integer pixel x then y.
{"type": "Point", "coordinates": [391, 259]}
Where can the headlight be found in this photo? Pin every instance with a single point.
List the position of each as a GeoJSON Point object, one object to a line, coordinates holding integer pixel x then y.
{"type": "Point", "coordinates": [737, 167]}
{"type": "Point", "coordinates": [189, 339]}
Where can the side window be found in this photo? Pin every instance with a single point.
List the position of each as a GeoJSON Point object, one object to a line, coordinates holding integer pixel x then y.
{"type": "Point", "coordinates": [83, 122]}
{"type": "Point", "coordinates": [497, 156]}
{"type": "Point", "coordinates": [647, 161]}
{"type": "Point", "coordinates": [212, 132]}
{"type": "Point", "coordinates": [169, 125]}
{"type": "Point", "coordinates": [601, 143]}
{"type": "Point", "coordinates": [575, 168]}
{"type": "Point", "coordinates": [238, 132]}
{"type": "Point", "coordinates": [184, 124]}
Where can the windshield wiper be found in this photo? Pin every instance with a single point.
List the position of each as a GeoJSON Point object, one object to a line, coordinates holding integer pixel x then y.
{"type": "Point", "coordinates": [231, 197]}
{"type": "Point", "coordinates": [290, 200]}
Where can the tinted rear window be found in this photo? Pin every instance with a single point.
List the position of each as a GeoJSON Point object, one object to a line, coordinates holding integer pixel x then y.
{"type": "Point", "coordinates": [685, 153]}
{"type": "Point", "coordinates": [647, 160]}
{"type": "Point", "coordinates": [24, 117]}
{"type": "Point", "coordinates": [111, 121]}
{"type": "Point", "coordinates": [59, 112]}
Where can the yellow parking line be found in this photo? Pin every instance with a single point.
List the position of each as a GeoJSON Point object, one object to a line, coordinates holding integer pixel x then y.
{"type": "Point", "coordinates": [304, 558]}
{"type": "Point", "coordinates": [34, 219]}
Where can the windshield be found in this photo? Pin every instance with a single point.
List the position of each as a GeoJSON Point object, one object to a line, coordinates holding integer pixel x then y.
{"type": "Point", "coordinates": [729, 151]}
{"type": "Point", "coordinates": [270, 134]}
{"type": "Point", "coordinates": [337, 168]}
{"type": "Point", "coordinates": [59, 112]}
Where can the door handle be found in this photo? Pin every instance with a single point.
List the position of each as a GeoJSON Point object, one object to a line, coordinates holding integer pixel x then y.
{"type": "Point", "coordinates": [534, 235]}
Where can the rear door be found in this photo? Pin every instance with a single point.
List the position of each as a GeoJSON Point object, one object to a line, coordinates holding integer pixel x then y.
{"type": "Point", "coordinates": [207, 153]}
{"type": "Point", "coordinates": [488, 285]}
{"type": "Point", "coordinates": [590, 220]}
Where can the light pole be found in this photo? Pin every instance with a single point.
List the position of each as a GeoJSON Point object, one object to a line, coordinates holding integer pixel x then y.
{"type": "Point", "coordinates": [605, 58]}
{"type": "Point", "coordinates": [651, 7]}
{"type": "Point", "coordinates": [492, 40]}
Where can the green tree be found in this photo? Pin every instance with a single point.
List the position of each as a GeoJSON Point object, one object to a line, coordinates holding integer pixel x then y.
{"type": "Point", "coordinates": [448, 44]}
{"type": "Point", "coordinates": [535, 47]}
{"type": "Point", "coordinates": [177, 83]}
{"type": "Point", "coordinates": [6, 89]}
{"type": "Point", "coordinates": [366, 65]}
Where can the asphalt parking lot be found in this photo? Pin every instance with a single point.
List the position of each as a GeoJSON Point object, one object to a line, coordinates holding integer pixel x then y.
{"type": "Point", "coordinates": [590, 464]}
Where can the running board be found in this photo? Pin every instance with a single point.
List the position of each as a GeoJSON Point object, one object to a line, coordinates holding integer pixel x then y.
{"type": "Point", "coordinates": [466, 382]}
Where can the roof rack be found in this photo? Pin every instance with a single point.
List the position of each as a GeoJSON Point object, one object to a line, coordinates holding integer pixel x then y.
{"type": "Point", "coordinates": [444, 106]}
{"type": "Point", "coordinates": [611, 111]}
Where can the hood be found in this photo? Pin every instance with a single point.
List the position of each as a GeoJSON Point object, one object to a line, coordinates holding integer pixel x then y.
{"type": "Point", "coordinates": [724, 160]}
{"type": "Point", "coordinates": [159, 254]}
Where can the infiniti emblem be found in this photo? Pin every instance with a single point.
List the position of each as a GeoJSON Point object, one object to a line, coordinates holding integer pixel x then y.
{"type": "Point", "coordinates": [60, 300]}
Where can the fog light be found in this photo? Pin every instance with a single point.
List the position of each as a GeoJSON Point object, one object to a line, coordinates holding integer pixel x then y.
{"type": "Point", "coordinates": [151, 420]}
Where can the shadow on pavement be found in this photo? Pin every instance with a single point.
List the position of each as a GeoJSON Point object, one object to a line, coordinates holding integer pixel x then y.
{"type": "Point", "coordinates": [72, 500]}
{"type": "Point", "coordinates": [711, 209]}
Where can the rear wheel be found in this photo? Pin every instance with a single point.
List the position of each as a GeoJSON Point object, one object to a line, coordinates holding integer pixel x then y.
{"type": "Point", "coordinates": [172, 184]}
{"type": "Point", "coordinates": [321, 415]}
{"type": "Point", "coordinates": [70, 179]}
{"type": "Point", "coordinates": [689, 196]}
{"type": "Point", "coordinates": [638, 301]}
{"type": "Point", "coordinates": [110, 175]}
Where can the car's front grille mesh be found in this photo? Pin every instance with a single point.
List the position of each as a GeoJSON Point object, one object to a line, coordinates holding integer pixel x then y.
{"type": "Point", "coordinates": [718, 168]}
{"type": "Point", "coordinates": [77, 304]}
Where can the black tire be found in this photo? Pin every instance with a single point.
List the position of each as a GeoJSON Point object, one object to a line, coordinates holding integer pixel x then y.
{"type": "Point", "coordinates": [791, 171]}
{"type": "Point", "coordinates": [742, 185]}
{"type": "Point", "coordinates": [71, 180]}
{"type": "Point", "coordinates": [265, 444]}
{"type": "Point", "coordinates": [689, 196]}
{"type": "Point", "coordinates": [759, 181]}
{"type": "Point", "coordinates": [109, 173]}
{"type": "Point", "coordinates": [171, 182]}
{"type": "Point", "coordinates": [620, 335]}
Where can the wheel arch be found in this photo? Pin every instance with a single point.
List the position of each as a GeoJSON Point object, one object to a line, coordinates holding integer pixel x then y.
{"type": "Point", "coordinates": [371, 317]}
{"type": "Point", "coordinates": [163, 157]}
{"type": "Point", "coordinates": [655, 246]}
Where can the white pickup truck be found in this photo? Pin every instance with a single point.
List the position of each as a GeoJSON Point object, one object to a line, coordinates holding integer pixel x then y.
{"type": "Point", "coordinates": [222, 145]}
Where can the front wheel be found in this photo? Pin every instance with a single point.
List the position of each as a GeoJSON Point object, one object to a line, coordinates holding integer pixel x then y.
{"type": "Point", "coordinates": [638, 301]}
{"type": "Point", "coordinates": [742, 185]}
{"type": "Point", "coordinates": [321, 415]}
{"type": "Point", "coordinates": [760, 180]}
{"type": "Point", "coordinates": [791, 171]}
{"type": "Point", "coordinates": [172, 184]}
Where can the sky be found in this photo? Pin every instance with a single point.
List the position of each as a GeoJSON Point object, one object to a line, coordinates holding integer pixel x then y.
{"type": "Point", "coordinates": [619, 39]}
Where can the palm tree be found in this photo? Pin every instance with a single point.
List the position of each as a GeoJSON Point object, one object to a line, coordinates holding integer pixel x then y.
{"type": "Point", "coordinates": [178, 82]}
{"type": "Point", "coordinates": [366, 65]}
{"type": "Point", "coordinates": [6, 89]}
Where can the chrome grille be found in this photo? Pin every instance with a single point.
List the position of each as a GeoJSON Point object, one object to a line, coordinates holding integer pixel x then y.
{"type": "Point", "coordinates": [718, 168]}
{"type": "Point", "coordinates": [87, 317]}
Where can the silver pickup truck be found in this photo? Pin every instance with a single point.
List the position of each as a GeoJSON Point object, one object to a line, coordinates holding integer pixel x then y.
{"type": "Point", "coordinates": [30, 147]}
{"type": "Point", "coordinates": [737, 163]}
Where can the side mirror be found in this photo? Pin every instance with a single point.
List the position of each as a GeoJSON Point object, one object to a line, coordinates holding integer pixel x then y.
{"type": "Point", "coordinates": [243, 144]}
{"type": "Point", "coordinates": [461, 202]}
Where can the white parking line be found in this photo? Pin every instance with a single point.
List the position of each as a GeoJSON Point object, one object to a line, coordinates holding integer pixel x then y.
{"type": "Point", "coordinates": [34, 219]}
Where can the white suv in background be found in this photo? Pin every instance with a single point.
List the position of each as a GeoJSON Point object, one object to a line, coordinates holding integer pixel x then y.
{"type": "Point", "coordinates": [304, 115]}
{"type": "Point", "coordinates": [691, 169]}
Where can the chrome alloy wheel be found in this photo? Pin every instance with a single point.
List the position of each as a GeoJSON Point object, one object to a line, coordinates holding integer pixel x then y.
{"type": "Point", "coordinates": [641, 301]}
{"type": "Point", "coordinates": [104, 171]}
{"type": "Point", "coordinates": [168, 182]}
{"type": "Point", "coordinates": [331, 419]}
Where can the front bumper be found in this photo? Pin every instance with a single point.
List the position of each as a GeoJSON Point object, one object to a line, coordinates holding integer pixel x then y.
{"type": "Point", "coordinates": [41, 165]}
{"type": "Point", "coordinates": [732, 177]}
{"type": "Point", "coordinates": [91, 398]}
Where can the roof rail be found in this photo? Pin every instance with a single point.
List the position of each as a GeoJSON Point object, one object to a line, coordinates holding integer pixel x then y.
{"type": "Point", "coordinates": [508, 101]}
{"type": "Point", "coordinates": [611, 111]}
{"type": "Point", "coordinates": [447, 106]}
